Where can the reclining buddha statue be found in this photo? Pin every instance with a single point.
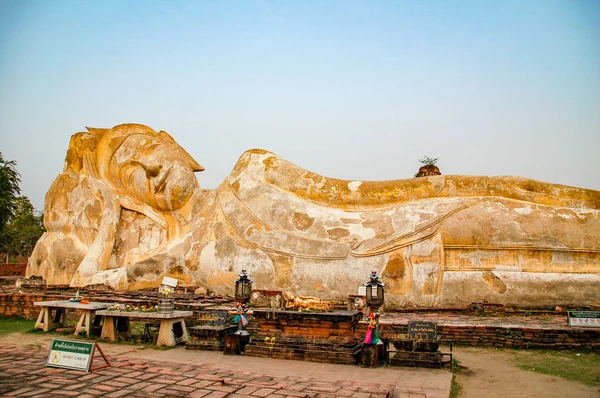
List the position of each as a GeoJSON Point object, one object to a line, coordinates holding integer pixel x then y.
{"type": "Point", "coordinates": [128, 210]}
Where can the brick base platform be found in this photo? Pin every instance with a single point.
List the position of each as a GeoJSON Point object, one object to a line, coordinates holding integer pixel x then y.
{"type": "Point", "coordinates": [310, 336]}
{"type": "Point", "coordinates": [522, 329]}
{"type": "Point", "coordinates": [543, 330]}
{"type": "Point", "coordinates": [208, 338]}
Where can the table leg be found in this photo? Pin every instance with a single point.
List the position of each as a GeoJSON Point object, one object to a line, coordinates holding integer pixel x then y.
{"type": "Point", "coordinates": [171, 332]}
{"type": "Point", "coordinates": [115, 327]}
{"type": "Point", "coordinates": [42, 320]}
{"type": "Point", "coordinates": [85, 322]}
{"type": "Point", "coordinates": [165, 333]}
{"type": "Point", "coordinates": [109, 328]}
{"type": "Point", "coordinates": [184, 333]}
{"type": "Point", "coordinates": [47, 321]}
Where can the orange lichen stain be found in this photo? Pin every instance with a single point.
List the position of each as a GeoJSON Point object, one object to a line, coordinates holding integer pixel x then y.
{"type": "Point", "coordinates": [350, 221]}
{"type": "Point", "coordinates": [270, 163]}
{"type": "Point", "coordinates": [302, 221]}
{"type": "Point", "coordinates": [396, 267]}
{"type": "Point", "coordinates": [398, 274]}
{"type": "Point", "coordinates": [430, 285]}
{"type": "Point", "coordinates": [80, 144]}
{"type": "Point", "coordinates": [236, 185]}
{"type": "Point", "coordinates": [143, 284]}
{"type": "Point", "coordinates": [283, 266]}
{"type": "Point", "coordinates": [432, 258]}
{"type": "Point", "coordinates": [494, 282]}
{"type": "Point", "coordinates": [245, 159]}
{"type": "Point", "coordinates": [337, 233]}
{"type": "Point", "coordinates": [178, 273]}
{"type": "Point", "coordinates": [193, 261]}
{"type": "Point", "coordinates": [258, 151]}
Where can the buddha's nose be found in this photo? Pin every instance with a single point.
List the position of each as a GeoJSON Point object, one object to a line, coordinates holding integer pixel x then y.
{"type": "Point", "coordinates": [152, 169]}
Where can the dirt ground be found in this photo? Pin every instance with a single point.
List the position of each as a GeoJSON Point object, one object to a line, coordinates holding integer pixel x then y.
{"type": "Point", "coordinates": [490, 373]}
{"type": "Point", "coordinates": [487, 373]}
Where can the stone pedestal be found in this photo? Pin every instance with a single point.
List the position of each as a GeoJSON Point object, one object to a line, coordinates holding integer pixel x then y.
{"type": "Point", "coordinates": [417, 359]}
{"type": "Point", "coordinates": [232, 345]}
{"type": "Point", "coordinates": [369, 357]}
{"type": "Point", "coordinates": [209, 338]}
{"type": "Point", "coordinates": [423, 354]}
{"type": "Point", "coordinates": [310, 336]}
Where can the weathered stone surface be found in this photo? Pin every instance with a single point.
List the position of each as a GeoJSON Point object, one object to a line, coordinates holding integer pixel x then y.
{"type": "Point", "coordinates": [202, 291]}
{"type": "Point", "coordinates": [127, 211]}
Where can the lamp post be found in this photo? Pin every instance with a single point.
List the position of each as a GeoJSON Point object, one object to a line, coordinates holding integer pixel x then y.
{"type": "Point", "coordinates": [243, 290]}
{"type": "Point", "coordinates": [243, 287]}
{"type": "Point", "coordinates": [373, 343]}
{"type": "Point", "coordinates": [375, 291]}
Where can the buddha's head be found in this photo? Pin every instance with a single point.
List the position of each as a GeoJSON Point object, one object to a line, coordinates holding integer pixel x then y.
{"type": "Point", "coordinates": [149, 167]}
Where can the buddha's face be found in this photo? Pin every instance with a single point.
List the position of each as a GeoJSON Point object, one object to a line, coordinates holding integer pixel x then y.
{"type": "Point", "coordinates": [152, 171]}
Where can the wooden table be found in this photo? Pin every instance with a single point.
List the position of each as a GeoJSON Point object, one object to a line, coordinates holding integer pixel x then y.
{"type": "Point", "coordinates": [54, 314]}
{"type": "Point", "coordinates": [170, 332]}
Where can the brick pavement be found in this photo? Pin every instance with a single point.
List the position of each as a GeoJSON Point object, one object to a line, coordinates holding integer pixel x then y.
{"type": "Point", "coordinates": [208, 374]}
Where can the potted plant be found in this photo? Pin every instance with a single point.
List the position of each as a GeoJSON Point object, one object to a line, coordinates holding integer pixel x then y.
{"type": "Point", "coordinates": [429, 168]}
{"type": "Point", "coordinates": [166, 303]}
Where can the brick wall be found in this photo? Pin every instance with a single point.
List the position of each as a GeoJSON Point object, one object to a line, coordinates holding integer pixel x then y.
{"type": "Point", "coordinates": [13, 269]}
{"type": "Point", "coordinates": [311, 336]}
{"type": "Point", "coordinates": [508, 337]}
{"type": "Point", "coordinates": [21, 304]}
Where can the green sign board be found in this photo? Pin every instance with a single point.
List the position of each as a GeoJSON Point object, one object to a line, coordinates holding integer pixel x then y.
{"type": "Point", "coordinates": [587, 319]}
{"type": "Point", "coordinates": [71, 354]}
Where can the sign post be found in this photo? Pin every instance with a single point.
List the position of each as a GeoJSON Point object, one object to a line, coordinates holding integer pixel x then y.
{"type": "Point", "coordinates": [422, 330]}
{"type": "Point", "coordinates": [168, 285]}
{"type": "Point", "coordinates": [586, 319]}
{"type": "Point", "coordinates": [73, 354]}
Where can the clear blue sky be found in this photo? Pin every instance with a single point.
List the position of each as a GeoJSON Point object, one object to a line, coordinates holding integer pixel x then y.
{"type": "Point", "coordinates": [348, 89]}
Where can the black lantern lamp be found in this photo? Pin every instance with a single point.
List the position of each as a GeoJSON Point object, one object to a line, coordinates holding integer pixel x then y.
{"type": "Point", "coordinates": [243, 290]}
{"type": "Point", "coordinates": [374, 291]}
{"type": "Point", "coordinates": [243, 287]}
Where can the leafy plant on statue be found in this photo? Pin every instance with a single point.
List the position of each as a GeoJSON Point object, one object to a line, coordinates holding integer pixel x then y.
{"type": "Point", "coordinates": [427, 161]}
{"type": "Point", "coordinates": [428, 167]}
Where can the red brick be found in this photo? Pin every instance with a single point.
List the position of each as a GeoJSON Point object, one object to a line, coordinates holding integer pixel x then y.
{"type": "Point", "coordinates": [263, 392]}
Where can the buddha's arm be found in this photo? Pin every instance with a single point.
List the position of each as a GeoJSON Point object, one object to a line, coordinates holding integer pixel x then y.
{"type": "Point", "coordinates": [98, 255]}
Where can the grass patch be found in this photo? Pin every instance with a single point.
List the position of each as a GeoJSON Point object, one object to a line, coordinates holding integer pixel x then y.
{"type": "Point", "coordinates": [10, 325]}
{"type": "Point", "coordinates": [583, 367]}
{"type": "Point", "coordinates": [456, 366]}
{"type": "Point", "coordinates": [455, 388]}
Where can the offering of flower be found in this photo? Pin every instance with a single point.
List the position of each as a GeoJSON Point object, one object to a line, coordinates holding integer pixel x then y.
{"type": "Point", "coordinates": [129, 308]}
